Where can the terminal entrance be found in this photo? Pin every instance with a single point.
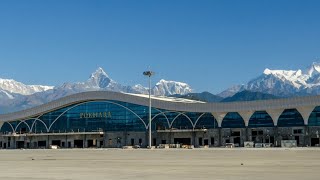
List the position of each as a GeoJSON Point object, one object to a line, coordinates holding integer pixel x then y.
{"type": "Point", "coordinates": [183, 141]}
{"type": "Point", "coordinates": [42, 144]}
{"type": "Point", "coordinates": [56, 143]}
{"type": "Point", "coordinates": [314, 141]}
{"type": "Point", "coordinates": [20, 144]}
{"type": "Point", "coordinates": [92, 143]}
{"type": "Point", "coordinates": [78, 143]}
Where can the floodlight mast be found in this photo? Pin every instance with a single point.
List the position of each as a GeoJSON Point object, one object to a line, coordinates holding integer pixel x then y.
{"type": "Point", "coordinates": [149, 74]}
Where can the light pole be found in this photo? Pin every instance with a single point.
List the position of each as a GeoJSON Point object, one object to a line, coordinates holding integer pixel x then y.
{"type": "Point", "coordinates": [149, 74]}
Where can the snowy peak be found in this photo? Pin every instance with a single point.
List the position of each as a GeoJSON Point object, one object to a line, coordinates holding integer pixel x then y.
{"type": "Point", "coordinates": [314, 69]}
{"type": "Point", "coordinates": [12, 86]}
{"type": "Point", "coordinates": [293, 75]}
{"type": "Point", "coordinates": [167, 88]}
{"type": "Point", "coordinates": [165, 82]}
{"type": "Point", "coordinates": [100, 79]}
{"type": "Point", "coordinates": [288, 74]}
{"type": "Point", "coordinates": [99, 73]}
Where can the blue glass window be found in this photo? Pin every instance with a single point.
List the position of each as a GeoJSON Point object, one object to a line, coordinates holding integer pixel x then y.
{"type": "Point", "coordinates": [289, 118]}
{"type": "Point", "coordinates": [314, 118]}
{"type": "Point", "coordinates": [181, 121]}
{"type": "Point", "coordinates": [233, 120]}
{"type": "Point", "coordinates": [160, 122]}
{"type": "Point", "coordinates": [260, 119]}
{"type": "Point", "coordinates": [206, 121]}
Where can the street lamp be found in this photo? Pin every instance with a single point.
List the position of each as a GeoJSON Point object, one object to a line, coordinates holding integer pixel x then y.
{"type": "Point", "coordinates": [149, 74]}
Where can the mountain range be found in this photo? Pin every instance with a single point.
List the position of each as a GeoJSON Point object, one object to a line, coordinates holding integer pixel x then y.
{"type": "Point", "coordinates": [17, 96]}
{"type": "Point", "coordinates": [270, 84]}
{"type": "Point", "coordinates": [282, 83]}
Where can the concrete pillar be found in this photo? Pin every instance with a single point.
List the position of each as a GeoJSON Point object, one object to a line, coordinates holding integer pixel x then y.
{"type": "Point", "coordinates": [276, 135]}
{"type": "Point", "coordinates": [305, 112]}
{"type": "Point", "coordinates": [48, 143]}
{"type": "Point", "coordinates": [306, 136]}
{"type": "Point", "coordinates": [194, 138]}
{"type": "Point", "coordinates": [147, 138]}
{"type": "Point", "coordinates": [220, 136]}
{"type": "Point", "coordinates": [246, 115]}
{"type": "Point", "coordinates": [66, 144]}
{"type": "Point", "coordinates": [1, 123]}
{"type": "Point", "coordinates": [219, 117]}
{"type": "Point", "coordinates": [247, 133]}
{"type": "Point", "coordinates": [275, 114]}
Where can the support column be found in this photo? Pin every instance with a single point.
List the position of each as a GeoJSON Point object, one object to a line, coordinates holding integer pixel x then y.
{"type": "Point", "coordinates": [247, 134]}
{"type": "Point", "coordinates": [1, 123]}
{"type": "Point", "coordinates": [220, 137]}
{"type": "Point", "coordinates": [48, 143]}
{"type": "Point", "coordinates": [66, 143]}
{"type": "Point", "coordinates": [306, 136]}
{"type": "Point", "coordinates": [246, 115]}
{"type": "Point", "coordinates": [276, 135]}
{"type": "Point", "coordinates": [275, 114]}
{"type": "Point", "coordinates": [305, 112]}
{"type": "Point", "coordinates": [194, 138]}
{"type": "Point", "coordinates": [219, 117]}
{"type": "Point", "coordinates": [147, 138]}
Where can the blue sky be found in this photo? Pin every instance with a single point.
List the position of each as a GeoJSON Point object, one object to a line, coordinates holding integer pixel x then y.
{"type": "Point", "coordinates": [209, 44]}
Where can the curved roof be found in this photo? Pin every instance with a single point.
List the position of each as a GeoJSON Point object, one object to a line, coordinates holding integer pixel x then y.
{"type": "Point", "coordinates": [173, 104]}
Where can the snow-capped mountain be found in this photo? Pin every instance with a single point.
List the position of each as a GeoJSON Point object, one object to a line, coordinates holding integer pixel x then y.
{"type": "Point", "coordinates": [167, 88]}
{"type": "Point", "coordinates": [16, 96]}
{"type": "Point", "coordinates": [99, 80]}
{"type": "Point", "coordinates": [283, 83]}
{"type": "Point", "coordinates": [12, 86]}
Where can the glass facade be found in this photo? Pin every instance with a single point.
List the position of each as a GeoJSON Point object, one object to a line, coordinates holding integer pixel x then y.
{"type": "Point", "coordinates": [290, 118]}
{"type": "Point", "coordinates": [87, 117]}
{"type": "Point", "coordinates": [260, 119]}
{"type": "Point", "coordinates": [112, 116]}
{"type": "Point", "coordinates": [206, 121]}
{"type": "Point", "coordinates": [314, 118]}
{"type": "Point", "coordinates": [233, 120]}
{"type": "Point", "coordinates": [95, 116]}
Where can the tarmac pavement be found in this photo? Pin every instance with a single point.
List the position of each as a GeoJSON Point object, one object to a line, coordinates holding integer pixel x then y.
{"type": "Point", "coordinates": [212, 163]}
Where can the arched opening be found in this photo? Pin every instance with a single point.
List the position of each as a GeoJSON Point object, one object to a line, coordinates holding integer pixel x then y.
{"type": "Point", "coordinates": [193, 116]}
{"type": "Point", "coordinates": [206, 121]}
{"type": "Point", "coordinates": [314, 118]}
{"type": "Point", "coordinates": [290, 118]}
{"type": "Point", "coordinates": [260, 119]}
{"type": "Point", "coordinates": [181, 121]}
{"type": "Point", "coordinates": [38, 126]}
{"type": "Point", "coordinates": [232, 120]}
{"type": "Point", "coordinates": [159, 122]}
{"type": "Point", "coordinates": [22, 127]}
{"type": "Point", "coordinates": [7, 128]}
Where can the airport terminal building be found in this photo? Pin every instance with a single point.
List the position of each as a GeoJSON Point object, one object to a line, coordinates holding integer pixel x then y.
{"type": "Point", "coordinates": [113, 120]}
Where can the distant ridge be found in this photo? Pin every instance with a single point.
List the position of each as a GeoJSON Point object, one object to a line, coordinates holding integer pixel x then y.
{"type": "Point", "coordinates": [204, 96]}
{"type": "Point", "coordinates": [249, 96]}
